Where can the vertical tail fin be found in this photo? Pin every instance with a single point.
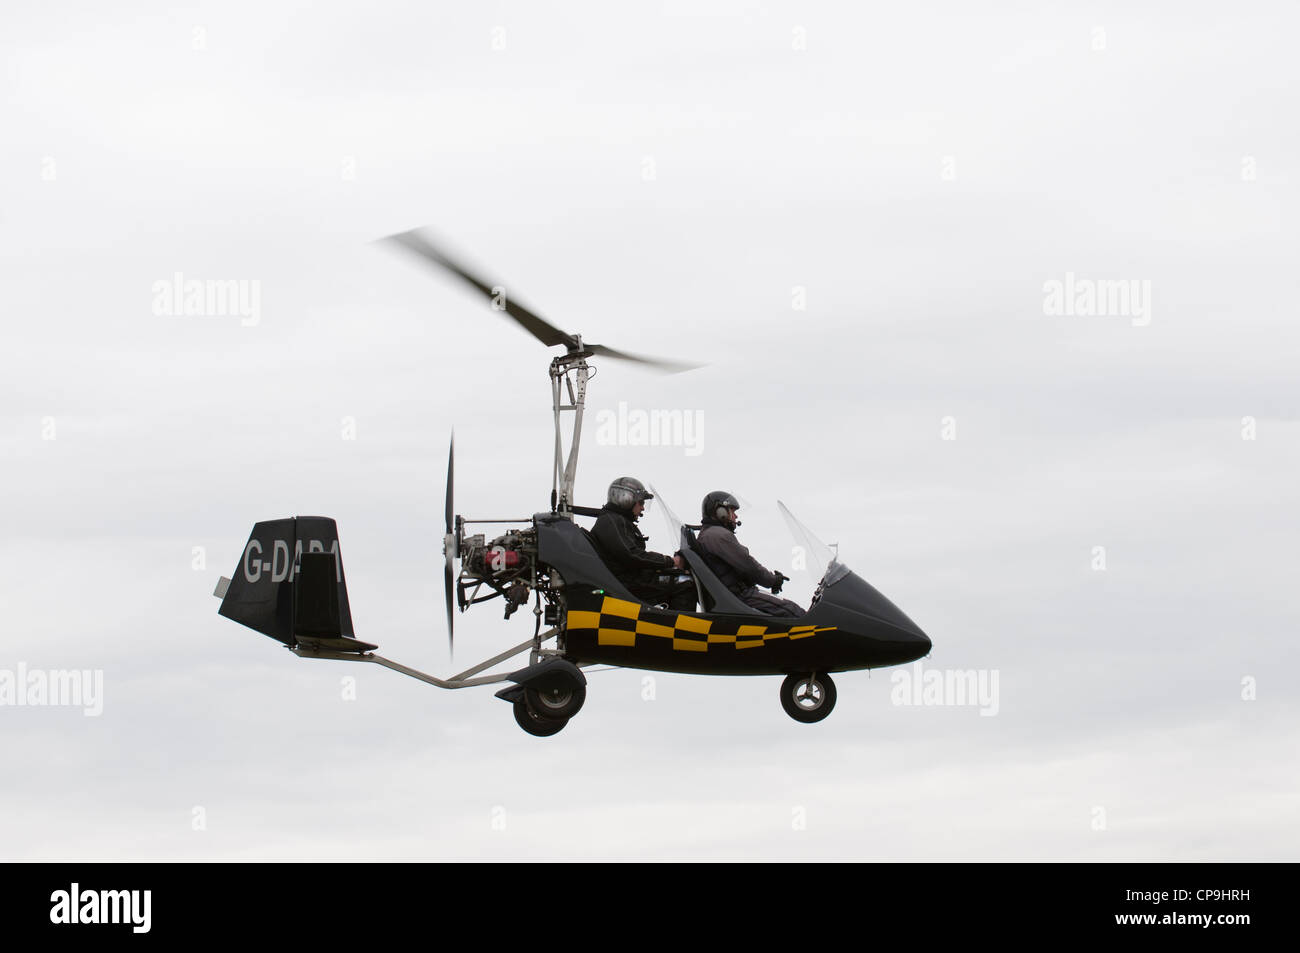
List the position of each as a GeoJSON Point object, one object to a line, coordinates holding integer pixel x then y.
{"type": "Point", "coordinates": [289, 584]}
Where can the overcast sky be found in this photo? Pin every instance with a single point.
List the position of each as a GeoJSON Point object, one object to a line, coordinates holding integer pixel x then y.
{"type": "Point", "coordinates": [853, 215]}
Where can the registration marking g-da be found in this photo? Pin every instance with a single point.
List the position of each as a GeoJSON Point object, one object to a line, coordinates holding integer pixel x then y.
{"type": "Point", "coordinates": [280, 567]}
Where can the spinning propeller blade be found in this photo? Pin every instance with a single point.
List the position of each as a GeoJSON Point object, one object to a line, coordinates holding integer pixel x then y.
{"type": "Point", "coordinates": [450, 545]}
{"type": "Point", "coordinates": [415, 242]}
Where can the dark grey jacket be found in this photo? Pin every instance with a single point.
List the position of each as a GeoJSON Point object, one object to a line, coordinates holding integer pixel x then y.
{"type": "Point", "coordinates": [622, 546]}
{"type": "Point", "coordinates": [730, 560]}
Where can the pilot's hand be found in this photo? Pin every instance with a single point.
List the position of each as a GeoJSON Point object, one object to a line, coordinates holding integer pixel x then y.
{"type": "Point", "coordinates": [781, 580]}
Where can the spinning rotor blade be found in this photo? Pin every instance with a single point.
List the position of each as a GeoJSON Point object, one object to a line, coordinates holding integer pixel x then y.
{"type": "Point", "coordinates": [415, 242]}
{"type": "Point", "coordinates": [538, 327]}
{"type": "Point", "coordinates": [450, 546]}
{"type": "Point", "coordinates": [658, 363]}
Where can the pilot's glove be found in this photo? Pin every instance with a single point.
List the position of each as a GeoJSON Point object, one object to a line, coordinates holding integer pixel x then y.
{"type": "Point", "coordinates": [781, 580]}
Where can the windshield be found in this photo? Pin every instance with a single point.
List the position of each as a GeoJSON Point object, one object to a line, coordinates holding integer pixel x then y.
{"type": "Point", "coordinates": [818, 560]}
{"type": "Point", "coordinates": [670, 518]}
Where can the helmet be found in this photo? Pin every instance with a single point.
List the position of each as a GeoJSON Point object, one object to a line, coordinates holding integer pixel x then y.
{"type": "Point", "coordinates": [627, 492]}
{"type": "Point", "coordinates": [715, 507]}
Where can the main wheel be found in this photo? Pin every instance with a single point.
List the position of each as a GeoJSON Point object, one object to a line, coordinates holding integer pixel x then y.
{"type": "Point", "coordinates": [561, 702]}
{"type": "Point", "coordinates": [808, 698]}
{"type": "Point", "coordinates": [535, 724]}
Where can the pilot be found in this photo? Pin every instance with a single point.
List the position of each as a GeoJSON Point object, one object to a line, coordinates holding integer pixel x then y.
{"type": "Point", "coordinates": [731, 562]}
{"type": "Point", "coordinates": [648, 576]}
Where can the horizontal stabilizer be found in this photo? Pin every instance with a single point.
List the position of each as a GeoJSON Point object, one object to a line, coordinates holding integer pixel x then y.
{"type": "Point", "coordinates": [340, 644]}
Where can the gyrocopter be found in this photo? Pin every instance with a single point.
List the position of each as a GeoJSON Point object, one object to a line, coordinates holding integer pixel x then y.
{"type": "Point", "coordinates": [290, 584]}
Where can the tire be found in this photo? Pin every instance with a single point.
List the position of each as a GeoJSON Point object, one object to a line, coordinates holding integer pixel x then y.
{"type": "Point", "coordinates": [556, 702]}
{"type": "Point", "coordinates": [808, 698]}
{"type": "Point", "coordinates": [535, 724]}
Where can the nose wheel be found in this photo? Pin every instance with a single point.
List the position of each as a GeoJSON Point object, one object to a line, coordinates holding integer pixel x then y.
{"type": "Point", "coordinates": [809, 697]}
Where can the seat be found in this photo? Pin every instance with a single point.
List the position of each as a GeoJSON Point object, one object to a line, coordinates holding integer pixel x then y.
{"type": "Point", "coordinates": [596, 549]}
{"type": "Point", "coordinates": [569, 548]}
{"type": "Point", "coordinates": [714, 596]}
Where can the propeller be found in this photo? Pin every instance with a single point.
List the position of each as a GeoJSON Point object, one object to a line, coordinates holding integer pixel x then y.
{"type": "Point", "coordinates": [415, 242]}
{"type": "Point", "coordinates": [450, 544]}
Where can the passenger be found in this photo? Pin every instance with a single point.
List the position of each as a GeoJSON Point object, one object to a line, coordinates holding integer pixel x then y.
{"type": "Point", "coordinates": [731, 562]}
{"type": "Point", "coordinates": [651, 577]}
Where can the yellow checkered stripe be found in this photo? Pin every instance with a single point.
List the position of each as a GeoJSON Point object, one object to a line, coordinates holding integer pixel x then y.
{"type": "Point", "coordinates": [619, 622]}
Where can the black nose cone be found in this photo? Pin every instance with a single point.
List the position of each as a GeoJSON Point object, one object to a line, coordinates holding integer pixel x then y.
{"type": "Point", "coordinates": [861, 608]}
{"type": "Point", "coordinates": [916, 645]}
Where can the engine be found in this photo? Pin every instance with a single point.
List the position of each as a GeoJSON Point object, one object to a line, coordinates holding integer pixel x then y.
{"type": "Point", "coordinates": [506, 564]}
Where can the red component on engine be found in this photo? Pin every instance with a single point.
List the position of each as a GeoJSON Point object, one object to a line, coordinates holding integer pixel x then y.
{"type": "Point", "coordinates": [499, 559]}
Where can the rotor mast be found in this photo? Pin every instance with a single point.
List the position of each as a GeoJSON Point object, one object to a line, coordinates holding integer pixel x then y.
{"type": "Point", "coordinates": [574, 371]}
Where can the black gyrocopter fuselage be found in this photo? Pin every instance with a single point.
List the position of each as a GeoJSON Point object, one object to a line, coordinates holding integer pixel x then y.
{"type": "Point", "coordinates": [848, 626]}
